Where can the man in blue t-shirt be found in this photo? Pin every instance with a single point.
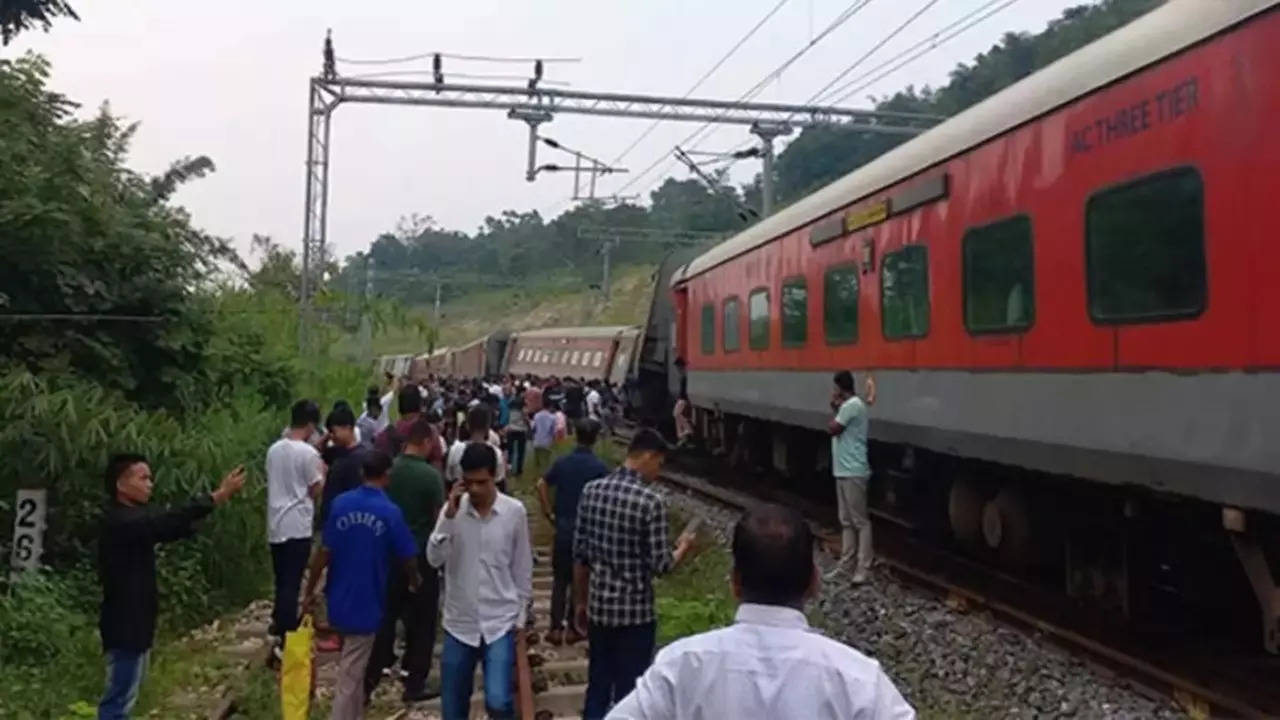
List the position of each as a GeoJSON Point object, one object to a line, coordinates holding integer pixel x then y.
{"type": "Point", "coordinates": [363, 530]}
{"type": "Point", "coordinates": [568, 476]}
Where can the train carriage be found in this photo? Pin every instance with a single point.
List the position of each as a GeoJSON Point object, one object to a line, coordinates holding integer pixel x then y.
{"type": "Point", "coordinates": [1066, 294]}
{"type": "Point", "coordinates": [593, 353]}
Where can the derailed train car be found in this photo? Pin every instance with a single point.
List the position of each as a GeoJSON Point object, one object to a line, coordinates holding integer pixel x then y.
{"type": "Point", "coordinates": [606, 353]}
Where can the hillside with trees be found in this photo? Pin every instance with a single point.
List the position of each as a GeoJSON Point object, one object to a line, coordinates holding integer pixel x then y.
{"type": "Point", "coordinates": [522, 246]}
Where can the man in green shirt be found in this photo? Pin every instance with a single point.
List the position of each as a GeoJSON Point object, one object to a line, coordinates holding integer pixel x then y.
{"type": "Point", "coordinates": [418, 490]}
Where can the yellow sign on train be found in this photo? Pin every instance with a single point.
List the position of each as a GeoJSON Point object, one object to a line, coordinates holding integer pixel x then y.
{"type": "Point", "coordinates": [869, 215]}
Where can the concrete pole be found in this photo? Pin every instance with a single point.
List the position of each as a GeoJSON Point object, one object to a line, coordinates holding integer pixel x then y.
{"type": "Point", "coordinates": [766, 179]}
{"type": "Point", "coordinates": [366, 324]}
{"type": "Point", "coordinates": [604, 278]}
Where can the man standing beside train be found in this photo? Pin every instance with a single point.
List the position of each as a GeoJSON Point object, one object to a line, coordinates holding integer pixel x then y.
{"type": "Point", "coordinates": [849, 464]}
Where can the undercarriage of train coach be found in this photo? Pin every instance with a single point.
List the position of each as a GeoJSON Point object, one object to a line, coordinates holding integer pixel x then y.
{"type": "Point", "coordinates": [1130, 561]}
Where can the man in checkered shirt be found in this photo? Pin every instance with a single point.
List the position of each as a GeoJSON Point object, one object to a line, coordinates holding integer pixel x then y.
{"type": "Point", "coordinates": [619, 544]}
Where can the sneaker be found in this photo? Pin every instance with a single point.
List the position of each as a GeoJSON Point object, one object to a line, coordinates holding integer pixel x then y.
{"type": "Point", "coordinates": [556, 636]}
{"type": "Point", "coordinates": [573, 637]}
{"type": "Point", "coordinates": [859, 578]}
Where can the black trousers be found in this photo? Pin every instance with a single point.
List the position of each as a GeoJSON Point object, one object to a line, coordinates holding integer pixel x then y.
{"type": "Point", "coordinates": [288, 562]}
{"type": "Point", "coordinates": [418, 611]}
{"type": "Point", "coordinates": [616, 657]}
{"type": "Point", "coordinates": [562, 582]}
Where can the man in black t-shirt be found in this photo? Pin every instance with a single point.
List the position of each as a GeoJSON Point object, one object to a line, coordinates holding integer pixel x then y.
{"type": "Point", "coordinates": [343, 458]}
{"type": "Point", "coordinates": [574, 399]}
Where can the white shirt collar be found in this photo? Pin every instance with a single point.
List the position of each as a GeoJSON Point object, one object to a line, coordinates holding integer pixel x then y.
{"type": "Point", "coordinates": [771, 615]}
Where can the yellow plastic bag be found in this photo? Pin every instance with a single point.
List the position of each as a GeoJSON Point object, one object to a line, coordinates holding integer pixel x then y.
{"type": "Point", "coordinates": [296, 676]}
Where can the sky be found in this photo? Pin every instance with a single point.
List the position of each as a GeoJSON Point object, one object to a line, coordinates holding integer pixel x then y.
{"type": "Point", "coordinates": [229, 80]}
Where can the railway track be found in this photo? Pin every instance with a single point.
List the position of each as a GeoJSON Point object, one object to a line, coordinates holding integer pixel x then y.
{"type": "Point", "coordinates": [1202, 681]}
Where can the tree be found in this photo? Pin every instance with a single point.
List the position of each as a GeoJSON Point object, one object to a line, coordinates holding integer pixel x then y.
{"type": "Point", "coordinates": [102, 275]}
{"type": "Point", "coordinates": [21, 15]}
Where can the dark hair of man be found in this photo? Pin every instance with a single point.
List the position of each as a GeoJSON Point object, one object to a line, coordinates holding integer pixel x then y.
{"type": "Point", "coordinates": [844, 381]}
{"type": "Point", "coordinates": [372, 401]}
{"type": "Point", "coordinates": [478, 418]}
{"type": "Point", "coordinates": [433, 416]}
{"type": "Point", "coordinates": [375, 464]}
{"type": "Point", "coordinates": [409, 400]}
{"type": "Point", "coordinates": [648, 440]}
{"type": "Point", "coordinates": [773, 555]}
{"type": "Point", "coordinates": [586, 430]}
{"type": "Point", "coordinates": [340, 416]}
{"type": "Point", "coordinates": [302, 413]}
{"type": "Point", "coordinates": [420, 431]}
{"type": "Point", "coordinates": [116, 467]}
{"type": "Point", "coordinates": [479, 456]}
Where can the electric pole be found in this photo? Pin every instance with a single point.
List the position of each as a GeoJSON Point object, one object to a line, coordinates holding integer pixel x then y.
{"type": "Point", "coordinates": [366, 323]}
{"type": "Point", "coordinates": [767, 131]}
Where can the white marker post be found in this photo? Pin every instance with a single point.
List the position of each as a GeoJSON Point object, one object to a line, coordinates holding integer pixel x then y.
{"type": "Point", "coordinates": [28, 529]}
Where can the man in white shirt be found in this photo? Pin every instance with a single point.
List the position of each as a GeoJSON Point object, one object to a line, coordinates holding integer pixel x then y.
{"type": "Point", "coordinates": [769, 663]}
{"type": "Point", "coordinates": [593, 401]}
{"type": "Point", "coordinates": [295, 476]}
{"type": "Point", "coordinates": [479, 420]}
{"type": "Point", "coordinates": [482, 540]}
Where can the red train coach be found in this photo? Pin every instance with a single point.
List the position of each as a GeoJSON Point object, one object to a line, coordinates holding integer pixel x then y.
{"type": "Point", "coordinates": [1067, 294]}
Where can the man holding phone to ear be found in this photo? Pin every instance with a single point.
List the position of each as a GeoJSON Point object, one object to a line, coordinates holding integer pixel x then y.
{"type": "Point", "coordinates": [127, 569]}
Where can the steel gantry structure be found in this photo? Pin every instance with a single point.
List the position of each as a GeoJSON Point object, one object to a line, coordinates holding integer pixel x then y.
{"type": "Point", "coordinates": [534, 106]}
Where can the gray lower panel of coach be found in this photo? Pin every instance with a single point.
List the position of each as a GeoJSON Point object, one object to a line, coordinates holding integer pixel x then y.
{"type": "Point", "coordinates": [1211, 436]}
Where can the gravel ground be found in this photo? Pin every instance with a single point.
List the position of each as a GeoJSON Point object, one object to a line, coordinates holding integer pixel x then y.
{"type": "Point", "coordinates": [950, 662]}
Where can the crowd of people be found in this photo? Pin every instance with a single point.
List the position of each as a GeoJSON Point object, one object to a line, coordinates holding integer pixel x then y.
{"type": "Point", "coordinates": [412, 523]}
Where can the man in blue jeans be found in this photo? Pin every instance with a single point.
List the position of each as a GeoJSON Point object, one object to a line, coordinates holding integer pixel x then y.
{"type": "Point", "coordinates": [619, 545]}
{"type": "Point", "coordinates": [482, 540]}
{"type": "Point", "coordinates": [127, 569]}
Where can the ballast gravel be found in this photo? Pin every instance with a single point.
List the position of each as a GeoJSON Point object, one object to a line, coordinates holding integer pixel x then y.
{"type": "Point", "coordinates": [950, 661]}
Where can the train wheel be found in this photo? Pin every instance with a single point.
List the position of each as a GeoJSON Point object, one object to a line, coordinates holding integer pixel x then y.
{"type": "Point", "coordinates": [1006, 528]}
{"type": "Point", "coordinates": [964, 511]}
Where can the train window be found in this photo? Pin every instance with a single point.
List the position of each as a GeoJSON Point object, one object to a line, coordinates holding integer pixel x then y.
{"type": "Point", "coordinates": [795, 312]}
{"type": "Point", "coordinates": [708, 329]}
{"type": "Point", "coordinates": [598, 360]}
{"type": "Point", "coordinates": [1144, 249]}
{"type": "Point", "coordinates": [577, 355]}
{"type": "Point", "coordinates": [758, 319]}
{"type": "Point", "coordinates": [999, 278]}
{"type": "Point", "coordinates": [732, 326]}
{"type": "Point", "coordinates": [904, 293]}
{"type": "Point", "coordinates": [840, 304]}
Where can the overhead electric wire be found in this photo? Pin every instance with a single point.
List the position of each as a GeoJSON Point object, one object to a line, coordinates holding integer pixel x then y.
{"type": "Point", "coordinates": [932, 42]}
{"type": "Point", "coordinates": [723, 59]}
{"type": "Point", "coordinates": [863, 58]}
{"type": "Point", "coordinates": [455, 56]}
{"type": "Point", "coordinates": [849, 11]}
